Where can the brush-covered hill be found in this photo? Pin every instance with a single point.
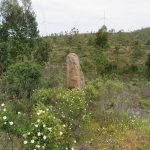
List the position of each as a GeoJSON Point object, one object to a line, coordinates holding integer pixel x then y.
{"type": "Point", "coordinates": [125, 55]}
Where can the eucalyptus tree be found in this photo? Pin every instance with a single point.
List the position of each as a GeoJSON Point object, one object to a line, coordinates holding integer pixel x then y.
{"type": "Point", "coordinates": [18, 31]}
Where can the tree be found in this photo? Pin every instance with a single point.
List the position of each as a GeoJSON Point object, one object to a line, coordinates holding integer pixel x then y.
{"type": "Point", "coordinates": [23, 78]}
{"type": "Point", "coordinates": [18, 31]}
{"type": "Point", "coordinates": [18, 21]}
{"type": "Point", "coordinates": [102, 37]}
{"type": "Point", "coordinates": [26, 4]}
{"type": "Point", "coordinates": [43, 50]}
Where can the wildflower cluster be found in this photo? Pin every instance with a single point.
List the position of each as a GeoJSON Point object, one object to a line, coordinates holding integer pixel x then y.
{"type": "Point", "coordinates": [70, 106]}
{"type": "Point", "coordinates": [48, 128]}
{"type": "Point", "coordinates": [47, 132]}
{"type": "Point", "coordinates": [9, 121]}
{"type": "Point", "coordinates": [5, 120]}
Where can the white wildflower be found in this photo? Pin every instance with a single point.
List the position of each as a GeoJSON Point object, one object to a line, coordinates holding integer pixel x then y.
{"type": "Point", "coordinates": [37, 146]}
{"type": "Point", "coordinates": [2, 104]}
{"type": "Point", "coordinates": [19, 113]}
{"type": "Point", "coordinates": [38, 120]}
{"type": "Point", "coordinates": [11, 123]}
{"type": "Point", "coordinates": [44, 137]}
{"type": "Point", "coordinates": [49, 129]}
{"type": "Point", "coordinates": [32, 141]}
{"type": "Point", "coordinates": [36, 125]}
{"type": "Point", "coordinates": [25, 142]}
{"type": "Point", "coordinates": [60, 133]}
{"type": "Point", "coordinates": [4, 117]}
{"type": "Point", "coordinates": [38, 113]}
{"type": "Point", "coordinates": [38, 133]}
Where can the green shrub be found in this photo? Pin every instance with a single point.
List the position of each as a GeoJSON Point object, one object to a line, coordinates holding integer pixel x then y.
{"type": "Point", "coordinates": [69, 106]}
{"type": "Point", "coordinates": [12, 122]}
{"type": "Point", "coordinates": [23, 78]}
{"type": "Point", "coordinates": [43, 51]}
{"type": "Point", "coordinates": [94, 90]}
{"type": "Point", "coordinates": [41, 95]}
{"type": "Point", "coordinates": [47, 132]}
{"type": "Point", "coordinates": [145, 104]}
{"type": "Point", "coordinates": [114, 87]}
{"type": "Point", "coordinates": [102, 37]}
{"type": "Point", "coordinates": [101, 62]}
{"type": "Point", "coordinates": [41, 130]}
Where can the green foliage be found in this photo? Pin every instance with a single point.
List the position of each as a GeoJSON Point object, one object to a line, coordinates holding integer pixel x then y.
{"type": "Point", "coordinates": [103, 66]}
{"type": "Point", "coordinates": [19, 35]}
{"type": "Point", "coordinates": [147, 64]}
{"type": "Point", "coordinates": [12, 122]}
{"type": "Point", "coordinates": [17, 22]}
{"type": "Point", "coordinates": [100, 61]}
{"type": "Point", "coordinates": [3, 57]}
{"type": "Point", "coordinates": [116, 132]}
{"type": "Point", "coordinates": [47, 132]}
{"type": "Point", "coordinates": [102, 37]}
{"type": "Point", "coordinates": [23, 78]}
{"type": "Point", "coordinates": [39, 130]}
{"type": "Point", "coordinates": [94, 90]}
{"type": "Point", "coordinates": [145, 104]}
{"type": "Point", "coordinates": [60, 99]}
{"type": "Point", "coordinates": [43, 51]}
{"type": "Point", "coordinates": [114, 86]}
{"type": "Point", "coordinates": [137, 52]}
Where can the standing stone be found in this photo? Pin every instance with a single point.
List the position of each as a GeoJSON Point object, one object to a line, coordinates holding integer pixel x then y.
{"type": "Point", "coordinates": [75, 76]}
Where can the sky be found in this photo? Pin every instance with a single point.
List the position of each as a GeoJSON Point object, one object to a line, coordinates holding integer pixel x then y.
{"type": "Point", "coordinates": [55, 16]}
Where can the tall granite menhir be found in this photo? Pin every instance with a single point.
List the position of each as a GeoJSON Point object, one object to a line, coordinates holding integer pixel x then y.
{"type": "Point", "coordinates": [75, 77]}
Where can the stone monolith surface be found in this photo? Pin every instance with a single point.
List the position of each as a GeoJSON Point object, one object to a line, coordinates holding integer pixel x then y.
{"type": "Point", "coordinates": [75, 76]}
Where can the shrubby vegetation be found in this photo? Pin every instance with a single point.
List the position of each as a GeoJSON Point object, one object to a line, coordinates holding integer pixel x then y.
{"type": "Point", "coordinates": [19, 36]}
{"type": "Point", "coordinates": [60, 99]}
{"type": "Point", "coordinates": [23, 78]}
{"type": "Point", "coordinates": [102, 37]}
{"type": "Point", "coordinates": [42, 131]}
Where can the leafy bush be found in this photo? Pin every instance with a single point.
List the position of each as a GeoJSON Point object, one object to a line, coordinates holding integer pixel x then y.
{"type": "Point", "coordinates": [60, 99]}
{"type": "Point", "coordinates": [43, 51]}
{"type": "Point", "coordinates": [114, 87]}
{"type": "Point", "coordinates": [94, 90]}
{"type": "Point", "coordinates": [11, 122]}
{"type": "Point", "coordinates": [41, 130]}
{"type": "Point", "coordinates": [23, 78]}
{"type": "Point", "coordinates": [145, 104]}
{"type": "Point", "coordinates": [100, 61]}
{"type": "Point", "coordinates": [102, 37]}
{"type": "Point", "coordinates": [47, 132]}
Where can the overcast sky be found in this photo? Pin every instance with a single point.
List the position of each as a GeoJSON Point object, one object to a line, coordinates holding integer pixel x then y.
{"type": "Point", "coordinates": [54, 16]}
